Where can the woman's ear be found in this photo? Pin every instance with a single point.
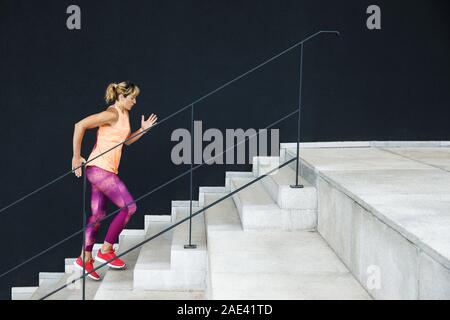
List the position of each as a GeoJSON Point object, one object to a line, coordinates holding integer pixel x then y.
{"type": "Point", "coordinates": [120, 97]}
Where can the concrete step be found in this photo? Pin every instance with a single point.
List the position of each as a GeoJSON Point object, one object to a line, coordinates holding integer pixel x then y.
{"type": "Point", "coordinates": [257, 209]}
{"type": "Point", "coordinates": [278, 185]}
{"type": "Point", "coordinates": [235, 174]}
{"type": "Point", "coordinates": [49, 277]}
{"type": "Point", "coordinates": [222, 216]}
{"type": "Point", "coordinates": [271, 264]}
{"type": "Point", "coordinates": [189, 259]}
{"type": "Point", "coordinates": [45, 278]}
{"type": "Point", "coordinates": [153, 263]}
{"type": "Point", "coordinates": [168, 280]}
{"type": "Point", "coordinates": [114, 282]}
{"type": "Point", "coordinates": [155, 218]}
{"type": "Point", "coordinates": [183, 204]}
{"type": "Point", "coordinates": [190, 262]}
{"type": "Point", "coordinates": [121, 281]}
{"type": "Point", "coordinates": [72, 291]}
{"type": "Point", "coordinates": [208, 190]}
{"type": "Point", "coordinates": [307, 172]}
{"type": "Point", "coordinates": [120, 285]}
{"type": "Point", "coordinates": [167, 266]}
{"type": "Point", "coordinates": [22, 293]}
{"type": "Point", "coordinates": [49, 281]}
{"type": "Point", "coordinates": [52, 281]}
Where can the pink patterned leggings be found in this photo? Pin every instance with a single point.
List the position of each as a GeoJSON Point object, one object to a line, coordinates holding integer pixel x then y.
{"type": "Point", "coordinates": [107, 185]}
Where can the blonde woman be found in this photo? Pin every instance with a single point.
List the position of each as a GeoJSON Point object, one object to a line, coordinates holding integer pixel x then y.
{"type": "Point", "coordinates": [102, 172]}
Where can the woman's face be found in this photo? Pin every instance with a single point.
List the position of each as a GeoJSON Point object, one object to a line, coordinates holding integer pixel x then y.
{"type": "Point", "coordinates": [128, 101]}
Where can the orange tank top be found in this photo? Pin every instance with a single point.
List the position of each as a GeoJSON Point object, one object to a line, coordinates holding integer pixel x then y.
{"type": "Point", "coordinates": [109, 136]}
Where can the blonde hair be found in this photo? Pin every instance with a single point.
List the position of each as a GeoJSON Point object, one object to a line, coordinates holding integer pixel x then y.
{"type": "Point", "coordinates": [125, 88]}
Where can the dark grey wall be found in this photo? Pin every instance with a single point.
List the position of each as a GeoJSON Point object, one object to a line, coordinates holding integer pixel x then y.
{"type": "Point", "coordinates": [389, 84]}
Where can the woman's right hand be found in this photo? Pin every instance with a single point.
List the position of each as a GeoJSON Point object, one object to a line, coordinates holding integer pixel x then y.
{"type": "Point", "coordinates": [77, 162]}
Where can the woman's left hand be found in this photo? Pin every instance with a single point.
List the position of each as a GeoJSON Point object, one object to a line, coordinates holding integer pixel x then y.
{"type": "Point", "coordinates": [145, 124]}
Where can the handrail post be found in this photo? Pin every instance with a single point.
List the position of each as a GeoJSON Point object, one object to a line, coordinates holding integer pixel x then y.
{"type": "Point", "coordinates": [296, 185]}
{"type": "Point", "coordinates": [190, 245]}
{"type": "Point", "coordinates": [83, 295]}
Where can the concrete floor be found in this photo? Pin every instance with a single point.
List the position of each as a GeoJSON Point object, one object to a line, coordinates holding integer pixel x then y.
{"type": "Point", "coordinates": [408, 188]}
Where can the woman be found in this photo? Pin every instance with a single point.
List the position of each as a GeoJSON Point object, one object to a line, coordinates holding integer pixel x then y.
{"type": "Point", "coordinates": [102, 172]}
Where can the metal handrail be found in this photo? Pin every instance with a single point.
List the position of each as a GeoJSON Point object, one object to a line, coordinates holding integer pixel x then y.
{"type": "Point", "coordinates": [170, 116]}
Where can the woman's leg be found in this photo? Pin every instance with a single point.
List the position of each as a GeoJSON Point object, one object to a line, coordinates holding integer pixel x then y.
{"type": "Point", "coordinates": [115, 190]}
{"type": "Point", "coordinates": [122, 198]}
{"type": "Point", "coordinates": [98, 208]}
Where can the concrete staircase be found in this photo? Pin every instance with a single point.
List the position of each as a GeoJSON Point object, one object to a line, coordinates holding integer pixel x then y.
{"type": "Point", "coordinates": [165, 265]}
{"type": "Point", "coordinates": [263, 243]}
{"type": "Point", "coordinates": [259, 243]}
{"type": "Point", "coordinates": [153, 271]}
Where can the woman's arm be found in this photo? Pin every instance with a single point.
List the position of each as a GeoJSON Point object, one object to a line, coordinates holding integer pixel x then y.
{"type": "Point", "coordinates": [145, 124]}
{"type": "Point", "coordinates": [136, 136]}
{"type": "Point", "coordinates": [96, 120]}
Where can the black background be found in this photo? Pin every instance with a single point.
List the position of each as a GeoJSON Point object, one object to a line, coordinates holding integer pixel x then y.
{"type": "Point", "coordinates": [388, 84]}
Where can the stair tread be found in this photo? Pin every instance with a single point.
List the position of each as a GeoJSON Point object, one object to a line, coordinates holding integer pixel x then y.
{"type": "Point", "coordinates": [155, 254]}
{"type": "Point", "coordinates": [253, 195]}
{"type": "Point", "coordinates": [68, 293]}
{"type": "Point", "coordinates": [181, 232]}
{"type": "Point", "coordinates": [223, 216]}
{"type": "Point", "coordinates": [22, 293]}
{"type": "Point", "coordinates": [50, 275]}
{"type": "Point", "coordinates": [122, 279]}
{"type": "Point", "coordinates": [285, 176]}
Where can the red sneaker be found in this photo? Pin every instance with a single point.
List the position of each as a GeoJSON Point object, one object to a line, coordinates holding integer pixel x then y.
{"type": "Point", "coordinates": [89, 266]}
{"type": "Point", "coordinates": [104, 257]}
